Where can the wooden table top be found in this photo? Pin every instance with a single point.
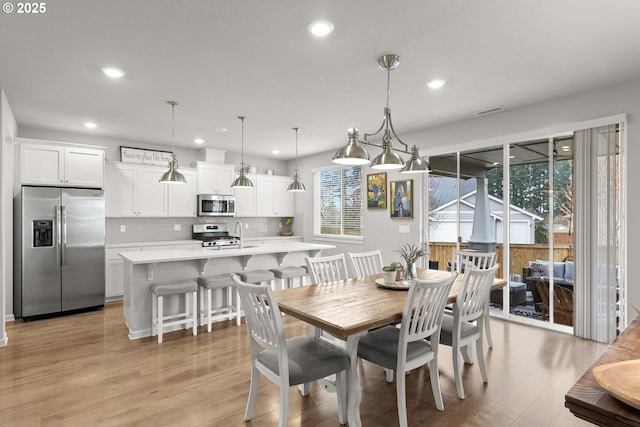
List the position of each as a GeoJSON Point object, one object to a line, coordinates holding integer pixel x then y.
{"type": "Point", "coordinates": [351, 306]}
{"type": "Point", "coordinates": [589, 401]}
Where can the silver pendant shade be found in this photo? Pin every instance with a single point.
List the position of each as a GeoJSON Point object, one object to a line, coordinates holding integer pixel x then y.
{"type": "Point", "coordinates": [242, 181]}
{"type": "Point", "coordinates": [354, 153]}
{"type": "Point", "coordinates": [172, 176]}
{"type": "Point", "coordinates": [296, 185]}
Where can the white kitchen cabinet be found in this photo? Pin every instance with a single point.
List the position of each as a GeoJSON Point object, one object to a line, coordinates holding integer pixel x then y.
{"type": "Point", "coordinates": [215, 178]}
{"type": "Point", "coordinates": [61, 166]}
{"type": "Point", "coordinates": [267, 198]}
{"type": "Point", "coordinates": [135, 191]}
{"type": "Point", "coordinates": [246, 199]}
{"type": "Point", "coordinates": [183, 197]}
{"type": "Point", "coordinates": [114, 279]}
{"type": "Point", "coordinates": [272, 197]}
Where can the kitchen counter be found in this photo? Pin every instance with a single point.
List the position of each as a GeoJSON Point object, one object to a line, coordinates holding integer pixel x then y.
{"type": "Point", "coordinates": [142, 268]}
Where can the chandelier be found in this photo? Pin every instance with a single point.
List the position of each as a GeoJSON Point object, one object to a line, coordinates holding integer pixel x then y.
{"type": "Point", "coordinates": [355, 154]}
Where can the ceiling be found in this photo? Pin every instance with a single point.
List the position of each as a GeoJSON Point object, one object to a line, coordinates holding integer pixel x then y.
{"type": "Point", "coordinates": [225, 58]}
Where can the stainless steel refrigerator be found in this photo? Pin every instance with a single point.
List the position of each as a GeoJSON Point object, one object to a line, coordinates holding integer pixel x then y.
{"type": "Point", "coordinates": [59, 254]}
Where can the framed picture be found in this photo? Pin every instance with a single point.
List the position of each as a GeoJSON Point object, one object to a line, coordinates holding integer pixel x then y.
{"type": "Point", "coordinates": [377, 191]}
{"type": "Point", "coordinates": [401, 200]}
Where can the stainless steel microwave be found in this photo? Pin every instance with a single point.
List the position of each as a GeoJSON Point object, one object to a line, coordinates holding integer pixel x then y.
{"type": "Point", "coordinates": [216, 205]}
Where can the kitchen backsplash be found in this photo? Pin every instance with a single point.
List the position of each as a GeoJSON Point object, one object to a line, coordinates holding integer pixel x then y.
{"type": "Point", "coordinates": [157, 229]}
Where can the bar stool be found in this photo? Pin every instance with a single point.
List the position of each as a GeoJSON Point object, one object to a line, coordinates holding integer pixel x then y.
{"type": "Point", "coordinates": [187, 317]}
{"type": "Point", "coordinates": [208, 284]}
{"type": "Point", "coordinates": [257, 276]}
{"type": "Point", "coordinates": [287, 274]}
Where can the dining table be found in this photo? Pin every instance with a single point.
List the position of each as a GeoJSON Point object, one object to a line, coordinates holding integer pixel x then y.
{"type": "Point", "coordinates": [350, 308]}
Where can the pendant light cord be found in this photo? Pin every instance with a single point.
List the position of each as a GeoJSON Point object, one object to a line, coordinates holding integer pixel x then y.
{"type": "Point", "coordinates": [296, 129]}
{"type": "Point", "coordinates": [173, 125]}
{"type": "Point", "coordinates": [242, 145]}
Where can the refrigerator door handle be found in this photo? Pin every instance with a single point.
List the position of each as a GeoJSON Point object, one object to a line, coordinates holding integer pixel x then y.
{"type": "Point", "coordinates": [58, 234]}
{"type": "Point", "coordinates": [63, 246]}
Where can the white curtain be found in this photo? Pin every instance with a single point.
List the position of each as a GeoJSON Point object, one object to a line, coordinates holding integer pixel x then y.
{"type": "Point", "coordinates": [597, 231]}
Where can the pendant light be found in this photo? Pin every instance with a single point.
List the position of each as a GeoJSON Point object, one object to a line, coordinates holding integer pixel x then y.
{"type": "Point", "coordinates": [296, 185]}
{"type": "Point", "coordinates": [355, 154]}
{"type": "Point", "coordinates": [172, 176]}
{"type": "Point", "coordinates": [242, 181]}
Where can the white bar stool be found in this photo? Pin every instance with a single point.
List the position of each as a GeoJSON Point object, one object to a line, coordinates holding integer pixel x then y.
{"type": "Point", "coordinates": [187, 317]}
{"type": "Point", "coordinates": [227, 311]}
{"type": "Point", "coordinates": [287, 274]}
{"type": "Point", "coordinates": [257, 277]}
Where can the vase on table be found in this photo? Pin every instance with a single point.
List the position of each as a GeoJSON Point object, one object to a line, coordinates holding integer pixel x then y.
{"type": "Point", "coordinates": [410, 272]}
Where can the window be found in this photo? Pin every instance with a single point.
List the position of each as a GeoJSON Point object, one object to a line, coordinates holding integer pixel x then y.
{"type": "Point", "coordinates": [338, 202]}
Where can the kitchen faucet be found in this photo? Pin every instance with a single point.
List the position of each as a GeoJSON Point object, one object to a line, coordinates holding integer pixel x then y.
{"type": "Point", "coordinates": [238, 235]}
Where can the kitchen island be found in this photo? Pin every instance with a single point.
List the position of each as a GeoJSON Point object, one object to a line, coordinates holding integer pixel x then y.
{"type": "Point", "coordinates": [142, 268]}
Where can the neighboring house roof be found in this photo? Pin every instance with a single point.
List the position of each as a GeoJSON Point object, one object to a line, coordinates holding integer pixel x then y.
{"type": "Point", "coordinates": [467, 201]}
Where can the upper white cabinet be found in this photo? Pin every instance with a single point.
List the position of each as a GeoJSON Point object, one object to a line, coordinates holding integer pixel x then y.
{"type": "Point", "coordinates": [272, 197]}
{"type": "Point", "coordinates": [183, 197]}
{"type": "Point", "coordinates": [268, 197]}
{"type": "Point", "coordinates": [133, 190]}
{"type": "Point", "coordinates": [215, 178]}
{"type": "Point", "coordinates": [246, 199]}
{"type": "Point", "coordinates": [61, 166]}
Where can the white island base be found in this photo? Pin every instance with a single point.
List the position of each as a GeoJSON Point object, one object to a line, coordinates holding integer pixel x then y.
{"type": "Point", "coordinates": [141, 269]}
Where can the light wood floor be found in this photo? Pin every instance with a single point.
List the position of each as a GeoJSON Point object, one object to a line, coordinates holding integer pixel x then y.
{"type": "Point", "coordinates": [82, 370]}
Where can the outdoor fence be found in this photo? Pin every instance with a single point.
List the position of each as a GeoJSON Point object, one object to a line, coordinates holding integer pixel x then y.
{"type": "Point", "coordinates": [521, 254]}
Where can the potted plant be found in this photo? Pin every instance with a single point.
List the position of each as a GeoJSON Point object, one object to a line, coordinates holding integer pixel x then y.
{"type": "Point", "coordinates": [410, 253]}
{"type": "Point", "coordinates": [391, 272]}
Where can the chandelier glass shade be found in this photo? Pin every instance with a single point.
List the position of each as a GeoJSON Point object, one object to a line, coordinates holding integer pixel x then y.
{"type": "Point", "coordinates": [173, 176]}
{"type": "Point", "coordinates": [354, 153]}
{"type": "Point", "coordinates": [296, 185]}
{"type": "Point", "coordinates": [242, 181]}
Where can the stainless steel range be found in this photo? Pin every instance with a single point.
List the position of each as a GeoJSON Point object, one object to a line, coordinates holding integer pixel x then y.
{"type": "Point", "coordinates": [215, 236]}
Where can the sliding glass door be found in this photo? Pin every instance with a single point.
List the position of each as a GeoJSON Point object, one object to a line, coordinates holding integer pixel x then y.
{"type": "Point", "coordinates": [553, 215]}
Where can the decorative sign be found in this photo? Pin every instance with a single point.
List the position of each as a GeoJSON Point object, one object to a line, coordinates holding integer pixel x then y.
{"type": "Point", "coordinates": [141, 155]}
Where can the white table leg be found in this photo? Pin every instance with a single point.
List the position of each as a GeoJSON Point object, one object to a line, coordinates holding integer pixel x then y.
{"type": "Point", "coordinates": [354, 394]}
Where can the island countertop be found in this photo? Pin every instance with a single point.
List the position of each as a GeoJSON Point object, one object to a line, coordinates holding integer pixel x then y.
{"type": "Point", "coordinates": [143, 268]}
{"type": "Point", "coordinates": [169, 255]}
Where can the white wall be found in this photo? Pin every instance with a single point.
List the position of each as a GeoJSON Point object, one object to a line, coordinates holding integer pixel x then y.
{"type": "Point", "coordinates": [523, 123]}
{"type": "Point", "coordinates": [9, 130]}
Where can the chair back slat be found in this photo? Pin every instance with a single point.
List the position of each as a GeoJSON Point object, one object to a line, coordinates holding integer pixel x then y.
{"type": "Point", "coordinates": [366, 263]}
{"type": "Point", "coordinates": [262, 314]}
{"type": "Point", "coordinates": [478, 259]}
{"type": "Point", "coordinates": [327, 269]}
{"type": "Point", "coordinates": [424, 307]}
{"type": "Point", "coordinates": [474, 293]}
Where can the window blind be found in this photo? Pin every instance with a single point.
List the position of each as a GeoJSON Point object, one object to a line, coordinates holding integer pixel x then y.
{"type": "Point", "coordinates": [341, 201]}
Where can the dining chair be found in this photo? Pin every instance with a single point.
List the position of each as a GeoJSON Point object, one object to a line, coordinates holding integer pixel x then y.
{"type": "Point", "coordinates": [415, 343]}
{"type": "Point", "coordinates": [465, 326]}
{"type": "Point", "coordinates": [481, 260]}
{"type": "Point", "coordinates": [286, 362]}
{"type": "Point", "coordinates": [327, 269]}
{"type": "Point", "coordinates": [366, 263]}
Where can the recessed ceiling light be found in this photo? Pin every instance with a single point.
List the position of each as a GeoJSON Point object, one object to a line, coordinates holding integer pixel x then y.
{"type": "Point", "coordinates": [198, 141]}
{"type": "Point", "coordinates": [436, 83]}
{"type": "Point", "coordinates": [112, 72]}
{"type": "Point", "coordinates": [275, 151]}
{"type": "Point", "coordinates": [320, 28]}
{"type": "Point", "coordinates": [90, 125]}
{"type": "Point", "coordinates": [221, 129]}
